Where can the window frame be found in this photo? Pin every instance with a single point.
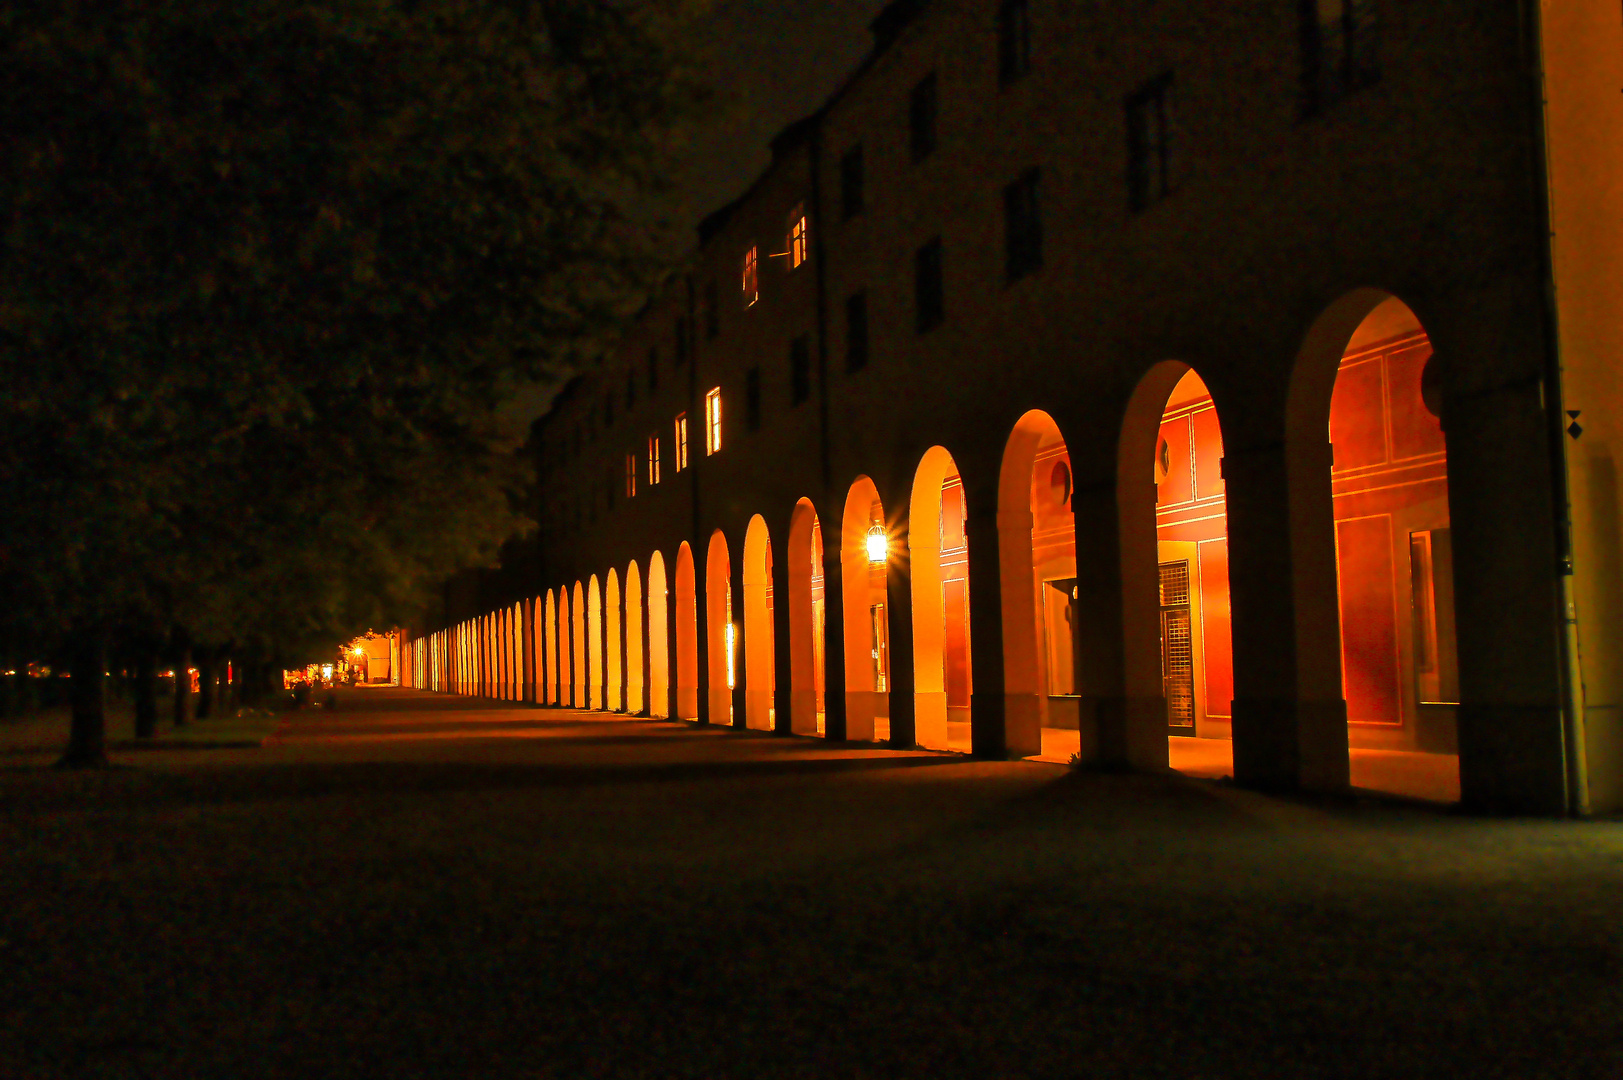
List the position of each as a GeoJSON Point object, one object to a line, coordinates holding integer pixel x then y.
{"type": "Point", "coordinates": [750, 281]}
{"type": "Point", "coordinates": [799, 237]}
{"type": "Point", "coordinates": [653, 460]}
{"type": "Point", "coordinates": [712, 421]}
{"type": "Point", "coordinates": [631, 475]}
{"type": "Point", "coordinates": [680, 439]}
{"type": "Point", "coordinates": [1148, 114]}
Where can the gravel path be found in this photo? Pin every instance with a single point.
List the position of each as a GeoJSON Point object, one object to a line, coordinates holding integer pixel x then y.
{"type": "Point", "coordinates": [424, 886]}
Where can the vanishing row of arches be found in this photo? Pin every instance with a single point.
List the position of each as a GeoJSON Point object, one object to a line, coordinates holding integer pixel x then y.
{"type": "Point", "coordinates": [971, 624]}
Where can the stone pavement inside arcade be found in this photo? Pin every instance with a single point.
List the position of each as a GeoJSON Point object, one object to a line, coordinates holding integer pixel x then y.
{"type": "Point", "coordinates": [422, 884]}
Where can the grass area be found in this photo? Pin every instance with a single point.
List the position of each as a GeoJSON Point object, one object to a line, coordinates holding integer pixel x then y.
{"type": "Point", "coordinates": [45, 730]}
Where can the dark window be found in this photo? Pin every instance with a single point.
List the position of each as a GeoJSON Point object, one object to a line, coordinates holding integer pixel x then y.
{"type": "Point", "coordinates": [752, 399]}
{"type": "Point", "coordinates": [608, 411]}
{"type": "Point", "coordinates": [851, 182]}
{"type": "Point", "coordinates": [1149, 150]}
{"type": "Point", "coordinates": [612, 480]}
{"type": "Point", "coordinates": [921, 117]}
{"type": "Point", "coordinates": [927, 297]}
{"type": "Point", "coordinates": [631, 389]}
{"type": "Point", "coordinates": [856, 331]}
{"type": "Point", "coordinates": [1013, 41]}
{"type": "Point", "coordinates": [653, 369]}
{"type": "Point", "coordinates": [1338, 50]}
{"type": "Point", "coordinates": [712, 311]}
{"type": "Point", "coordinates": [1022, 227]}
{"type": "Point", "coordinates": [681, 341]}
{"type": "Point", "coordinates": [799, 369]}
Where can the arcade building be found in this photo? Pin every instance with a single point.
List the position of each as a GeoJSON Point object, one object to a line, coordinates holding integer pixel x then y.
{"type": "Point", "coordinates": [1232, 390]}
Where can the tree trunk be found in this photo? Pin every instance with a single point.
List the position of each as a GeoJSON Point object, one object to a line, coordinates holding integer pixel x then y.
{"type": "Point", "coordinates": [183, 685]}
{"type": "Point", "coordinates": [146, 692]}
{"type": "Point", "coordinates": [87, 739]}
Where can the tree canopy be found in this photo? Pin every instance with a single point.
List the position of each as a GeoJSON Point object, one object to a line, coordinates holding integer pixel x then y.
{"type": "Point", "coordinates": [268, 271]}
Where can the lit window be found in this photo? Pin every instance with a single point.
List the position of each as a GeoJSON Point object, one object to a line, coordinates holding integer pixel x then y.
{"type": "Point", "coordinates": [681, 442]}
{"type": "Point", "coordinates": [798, 250]}
{"type": "Point", "coordinates": [653, 459]}
{"type": "Point", "coordinates": [712, 421]}
{"type": "Point", "coordinates": [631, 476]}
{"type": "Point", "coordinates": [751, 281]}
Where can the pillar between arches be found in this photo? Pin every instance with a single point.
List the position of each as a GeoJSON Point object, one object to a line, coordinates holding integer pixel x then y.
{"type": "Point", "coordinates": [899, 617]}
{"type": "Point", "coordinates": [740, 647]}
{"type": "Point", "coordinates": [998, 726]}
{"type": "Point", "coordinates": [833, 646]}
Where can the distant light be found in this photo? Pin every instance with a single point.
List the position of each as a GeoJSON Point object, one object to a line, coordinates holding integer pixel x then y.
{"type": "Point", "coordinates": [732, 675]}
{"type": "Point", "coordinates": [878, 544]}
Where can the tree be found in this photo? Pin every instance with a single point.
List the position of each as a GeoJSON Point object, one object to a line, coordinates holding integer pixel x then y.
{"type": "Point", "coordinates": [267, 273]}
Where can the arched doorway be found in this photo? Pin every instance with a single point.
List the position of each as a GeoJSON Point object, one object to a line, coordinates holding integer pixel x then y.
{"type": "Point", "coordinates": [864, 563]}
{"type": "Point", "coordinates": [721, 630]}
{"type": "Point", "coordinates": [1037, 570]}
{"type": "Point", "coordinates": [1380, 562]}
{"type": "Point", "coordinates": [612, 659]}
{"type": "Point", "coordinates": [594, 643]}
{"type": "Point", "coordinates": [687, 635]}
{"type": "Point", "coordinates": [806, 621]}
{"type": "Point", "coordinates": [635, 701]}
{"type": "Point", "coordinates": [578, 641]}
{"type": "Point", "coordinates": [549, 651]}
{"type": "Point", "coordinates": [659, 656]}
{"type": "Point", "coordinates": [759, 648]}
{"type": "Point", "coordinates": [1174, 543]}
{"type": "Point", "coordinates": [938, 547]}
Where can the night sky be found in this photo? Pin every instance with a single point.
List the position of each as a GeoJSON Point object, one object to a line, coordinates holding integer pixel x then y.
{"type": "Point", "coordinates": [775, 61]}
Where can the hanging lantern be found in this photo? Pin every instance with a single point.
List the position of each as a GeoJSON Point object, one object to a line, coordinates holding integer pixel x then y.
{"type": "Point", "coordinates": [878, 544]}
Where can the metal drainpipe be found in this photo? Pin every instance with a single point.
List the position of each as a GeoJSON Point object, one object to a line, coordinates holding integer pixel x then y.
{"type": "Point", "coordinates": [1572, 689]}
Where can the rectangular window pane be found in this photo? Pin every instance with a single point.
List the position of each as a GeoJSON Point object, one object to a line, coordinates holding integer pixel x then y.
{"type": "Point", "coordinates": [851, 193]}
{"type": "Point", "coordinates": [1013, 41]}
{"type": "Point", "coordinates": [856, 331]}
{"type": "Point", "coordinates": [712, 421]}
{"type": "Point", "coordinates": [750, 283]}
{"type": "Point", "coordinates": [799, 369]}
{"type": "Point", "coordinates": [681, 442]}
{"type": "Point", "coordinates": [921, 116]}
{"type": "Point", "coordinates": [929, 303]}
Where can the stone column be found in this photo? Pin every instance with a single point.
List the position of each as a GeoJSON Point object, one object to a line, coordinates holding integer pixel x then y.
{"type": "Point", "coordinates": [996, 730]}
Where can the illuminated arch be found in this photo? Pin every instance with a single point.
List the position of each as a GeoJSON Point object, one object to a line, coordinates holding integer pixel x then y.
{"type": "Point", "coordinates": [594, 643]}
{"type": "Point", "coordinates": [659, 655]}
{"type": "Point", "coordinates": [863, 589]}
{"type": "Point", "coordinates": [721, 630]}
{"type": "Point", "coordinates": [613, 664]}
{"type": "Point", "coordinates": [636, 692]}
{"type": "Point", "coordinates": [806, 626]}
{"type": "Point", "coordinates": [577, 628]}
{"type": "Point", "coordinates": [939, 561]}
{"type": "Point", "coordinates": [1037, 572]}
{"type": "Point", "coordinates": [759, 650]}
{"type": "Point", "coordinates": [687, 635]}
{"type": "Point", "coordinates": [1372, 559]}
{"type": "Point", "coordinates": [549, 652]}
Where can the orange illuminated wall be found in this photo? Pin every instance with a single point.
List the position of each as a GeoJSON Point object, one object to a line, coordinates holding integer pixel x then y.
{"type": "Point", "coordinates": [1191, 520]}
{"type": "Point", "coordinates": [1393, 551]}
{"type": "Point", "coordinates": [955, 597]}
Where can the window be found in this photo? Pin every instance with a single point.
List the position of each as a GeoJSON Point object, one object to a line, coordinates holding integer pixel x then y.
{"type": "Point", "coordinates": [851, 183]}
{"type": "Point", "coordinates": [1149, 151]}
{"type": "Point", "coordinates": [1338, 50]}
{"type": "Point", "coordinates": [610, 491]}
{"type": "Point", "coordinates": [856, 331]}
{"type": "Point", "coordinates": [752, 399]}
{"type": "Point", "coordinates": [653, 369]}
{"type": "Point", "coordinates": [631, 476]}
{"type": "Point", "coordinates": [1013, 41]}
{"type": "Point", "coordinates": [681, 442]}
{"type": "Point", "coordinates": [712, 421]}
{"type": "Point", "coordinates": [751, 281]}
{"type": "Point", "coordinates": [921, 116]}
{"type": "Point", "coordinates": [608, 411]}
{"type": "Point", "coordinates": [631, 390]}
{"type": "Point", "coordinates": [927, 298]}
{"type": "Point", "coordinates": [653, 460]}
{"type": "Point", "coordinates": [799, 369]}
{"type": "Point", "coordinates": [712, 312]}
{"type": "Point", "coordinates": [1022, 227]}
{"type": "Point", "coordinates": [799, 251]}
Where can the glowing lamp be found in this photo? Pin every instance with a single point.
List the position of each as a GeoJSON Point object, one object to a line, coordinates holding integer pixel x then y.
{"type": "Point", "coordinates": [878, 544]}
